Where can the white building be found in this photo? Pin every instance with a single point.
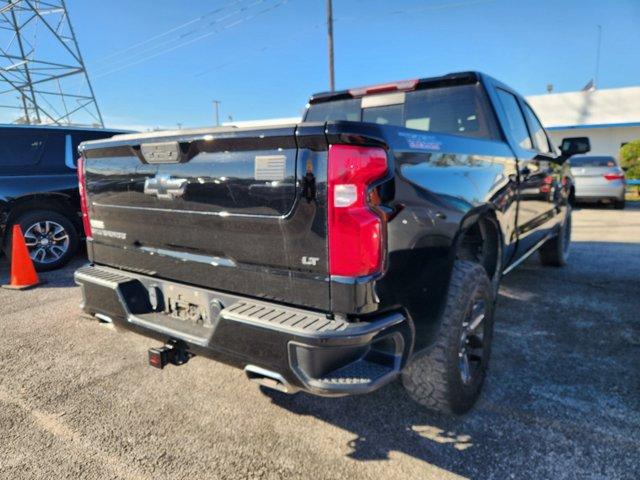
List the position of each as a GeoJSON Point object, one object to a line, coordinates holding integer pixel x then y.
{"type": "Point", "coordinates": [609, 117]}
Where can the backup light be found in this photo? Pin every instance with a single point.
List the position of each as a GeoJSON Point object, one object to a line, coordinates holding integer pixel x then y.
{"type": "Point", "coordinates": [345, 195]}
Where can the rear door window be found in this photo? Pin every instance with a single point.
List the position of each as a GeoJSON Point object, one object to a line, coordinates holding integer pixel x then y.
{"type": "Point", "coordinates": [515, 119]}
{"type": "Point", "coordinates": [539, 136]}
{"type": "Point", "coordinates": [20, 149]}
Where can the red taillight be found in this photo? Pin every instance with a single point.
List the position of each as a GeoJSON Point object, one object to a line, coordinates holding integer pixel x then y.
{"type": "Point", "coordinates": [614, 176]}
{"type": "Point", "coordinates": [401, 86]}
{"type": "Point", "coordinates": [356, 232]}
{"type": "Point", "coordinates": [83, 198]}
{"type": "Point", "coordinates": [546, 184]}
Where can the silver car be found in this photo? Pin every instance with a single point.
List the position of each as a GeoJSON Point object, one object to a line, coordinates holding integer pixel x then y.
{"type": "Point", "coordinates": [597, 178]}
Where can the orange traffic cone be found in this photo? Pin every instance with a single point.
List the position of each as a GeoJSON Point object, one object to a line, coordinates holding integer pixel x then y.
{"type": "Point", "coordinates": [23, 274]}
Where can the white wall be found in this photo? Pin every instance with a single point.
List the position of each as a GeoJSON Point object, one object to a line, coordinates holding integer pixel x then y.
{"type": "Point", "coordinates": [604, 141]}
{"type": "Point", "coordinates": [592, 107]}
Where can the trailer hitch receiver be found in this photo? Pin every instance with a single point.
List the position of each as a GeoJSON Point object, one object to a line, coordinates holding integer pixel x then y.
{"type": "Point", "coordinates": [174, 352]}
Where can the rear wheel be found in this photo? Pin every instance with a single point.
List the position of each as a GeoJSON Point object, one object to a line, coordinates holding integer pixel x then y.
{"type": "Point", "coordinates": [448, 375]}
{"type": "Point", "coordinates": [555, 251]}
{"type": "Point", "coordinates": [51, 238]}
{"type": "Point", "coordinates": [619, 204]}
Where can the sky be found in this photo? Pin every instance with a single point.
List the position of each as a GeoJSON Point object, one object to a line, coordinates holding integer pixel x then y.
{"type": "Point", "coordinates": [161, 63]}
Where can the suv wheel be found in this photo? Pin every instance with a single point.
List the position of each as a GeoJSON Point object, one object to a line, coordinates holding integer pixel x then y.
{"type": "Point", "coordinates": [448, 376]}
{"type": "Point", "coordinates": [555, 251]}
{"type": "Point", "coordinates": [51, 238]}
{"type": "Point", "coordinates": [619, 204]}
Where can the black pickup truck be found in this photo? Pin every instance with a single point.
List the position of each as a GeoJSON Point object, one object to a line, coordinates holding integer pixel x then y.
{"type": "Point", "coordinates": [364, 244]}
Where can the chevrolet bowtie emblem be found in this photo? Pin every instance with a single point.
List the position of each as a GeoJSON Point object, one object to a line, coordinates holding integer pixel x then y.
{"type": "Point", "coordinates": [165, 187]}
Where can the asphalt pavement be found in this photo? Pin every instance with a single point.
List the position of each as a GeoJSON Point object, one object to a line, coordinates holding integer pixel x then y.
{"type": "Point", "coordinates": [562, 399]}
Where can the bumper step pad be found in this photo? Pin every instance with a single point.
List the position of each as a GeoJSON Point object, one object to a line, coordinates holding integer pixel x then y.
{"type": "Point", "coordinates": [361, 372]}
{"type": "Point", "coordinates": [287, 318]}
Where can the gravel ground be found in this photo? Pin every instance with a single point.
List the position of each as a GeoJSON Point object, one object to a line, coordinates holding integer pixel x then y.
{"type": "Point", "coordinates": [562, 400]}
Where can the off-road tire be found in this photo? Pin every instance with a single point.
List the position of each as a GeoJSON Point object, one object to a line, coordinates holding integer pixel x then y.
{"type": "Point", "coordinates": [555, 251]}
{"type": "Point", "coordinates": [433, 376]}
{"type": "Point", "coordinates": [29, 218]}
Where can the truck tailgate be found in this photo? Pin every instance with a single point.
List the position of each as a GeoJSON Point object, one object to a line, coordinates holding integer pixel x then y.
{"type": "Point", "coordinates": [241, 210]}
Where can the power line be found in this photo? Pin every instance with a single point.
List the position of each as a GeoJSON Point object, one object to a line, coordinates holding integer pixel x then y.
{"type": "Point", "coordinates": [442, 6]}
{"type": "Point", "coordinates": [168, 32]}
{"type": "Point", "coordinates": [154, 48]}
{"type": "Point", "coordinates": [309, 31]}
{"type": "Point", "coordinates": [193, 40]}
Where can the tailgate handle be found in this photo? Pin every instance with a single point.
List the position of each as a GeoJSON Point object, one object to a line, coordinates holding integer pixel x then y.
{"type": "Point", "coordinates": [161, 152]}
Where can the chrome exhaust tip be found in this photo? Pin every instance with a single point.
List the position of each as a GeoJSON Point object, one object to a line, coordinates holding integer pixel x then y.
{"type": "Point", "coordinates": [268, 379]}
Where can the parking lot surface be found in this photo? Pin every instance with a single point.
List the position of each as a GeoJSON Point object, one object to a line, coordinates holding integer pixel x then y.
{"type": "Point", "coordinates": [562, 399]}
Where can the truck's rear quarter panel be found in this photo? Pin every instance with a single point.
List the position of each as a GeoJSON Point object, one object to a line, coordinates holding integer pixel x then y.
{"type": "Point", "coordinates": [440, 182]}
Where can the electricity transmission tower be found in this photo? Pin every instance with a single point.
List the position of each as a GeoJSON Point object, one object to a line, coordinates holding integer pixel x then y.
{"type": "Point", "coordinates": [43, 79]}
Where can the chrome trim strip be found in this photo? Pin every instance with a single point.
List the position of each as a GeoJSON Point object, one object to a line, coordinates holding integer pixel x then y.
{"type": "Point", "coordinates": [282, 385]}
{"type": "Point", "coordinates": [191, 257]}
{"type": "Point", "coordinates": [195, 212]}
{"type": "Point", "coordinates": [526, 255]}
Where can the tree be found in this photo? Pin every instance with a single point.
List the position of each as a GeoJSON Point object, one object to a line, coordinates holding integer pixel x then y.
{"type": "Point", "coordinates": [630, 159]}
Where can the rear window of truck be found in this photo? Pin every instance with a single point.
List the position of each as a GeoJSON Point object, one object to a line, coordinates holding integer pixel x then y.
{"type": "Point", "coordinates": [458, 110]}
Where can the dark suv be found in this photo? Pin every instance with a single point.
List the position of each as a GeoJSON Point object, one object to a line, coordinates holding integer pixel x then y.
{"type": "Point", "coordinates": [39, 189]}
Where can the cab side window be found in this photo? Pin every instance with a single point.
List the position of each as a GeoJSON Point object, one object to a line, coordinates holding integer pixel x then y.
{"type": "Point", "coordinates": [539, 136]}
{"type": "Point", "coordinates": [517, 124]}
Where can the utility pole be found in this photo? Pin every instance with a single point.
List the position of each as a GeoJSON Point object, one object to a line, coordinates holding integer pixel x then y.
{"type": "Point", "coordinates": [216, 107]}
{"type": "Point", "coordinates": [332, 82]}
{"type": "Point", "coordinates": [595, 82]}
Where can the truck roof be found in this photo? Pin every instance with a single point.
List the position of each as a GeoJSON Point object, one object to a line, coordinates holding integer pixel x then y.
{"type": "Point", "coordinates": [457, 78]}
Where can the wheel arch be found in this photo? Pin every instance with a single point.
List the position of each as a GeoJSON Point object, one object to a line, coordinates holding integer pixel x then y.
{"type": "Point", "coordinates": [56, 202]}
{"type": "Point", "coordinates": [479, 239]}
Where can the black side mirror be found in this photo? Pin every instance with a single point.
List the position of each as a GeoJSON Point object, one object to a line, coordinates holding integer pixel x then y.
{"type": "Point", "coordinates": [574, 146]}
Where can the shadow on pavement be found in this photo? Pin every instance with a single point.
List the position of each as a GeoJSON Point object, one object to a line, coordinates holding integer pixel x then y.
{"type": "Point", "coordinates": [630, 205]}
{"type": "Point", "coordinates": [562, 391]}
